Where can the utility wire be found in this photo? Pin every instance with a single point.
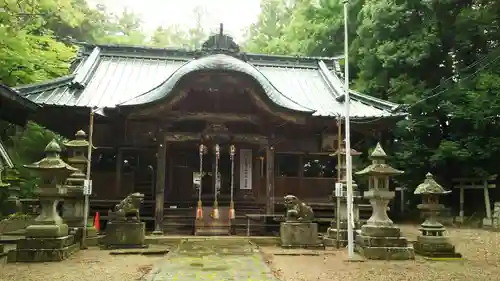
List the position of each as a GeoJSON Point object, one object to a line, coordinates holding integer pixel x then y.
{"type": "Point", "coordinates": [478, 61]}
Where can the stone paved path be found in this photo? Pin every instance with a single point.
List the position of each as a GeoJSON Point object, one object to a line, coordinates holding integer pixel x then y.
{"type": "Point", "coordinates": [212, 260]}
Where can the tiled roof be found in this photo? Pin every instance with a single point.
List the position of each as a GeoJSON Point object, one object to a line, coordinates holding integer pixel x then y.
{"type": "Point", "coordinates": [13, 107]}
{"type": "Point", "coordinates": [111, 76]}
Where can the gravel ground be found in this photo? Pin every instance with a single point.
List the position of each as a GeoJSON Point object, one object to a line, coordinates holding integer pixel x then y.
{"type": "Point", "coordinates": [89, 265]}
{"type": "Point", "coordinates": [481, 261]}
{"type": "Point", "coordinates": [480, 249]}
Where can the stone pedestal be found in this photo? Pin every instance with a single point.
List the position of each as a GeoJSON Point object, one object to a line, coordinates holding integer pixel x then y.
{"type": "Point", "coordinates": [299, 235]}
{"type": "Point", "coordinates": [436, 246]}
{"type": "Point", "coordinates": [73, 207]}
{"type": "Point", "coordinates": [330, 238]}
{"type": "Point", "coordinates": [125, 235]}
{"type": "Point", "coordinates": [91, 239]}
{"type": "Point", "coordinates": [383, 243]}
{"type": "Point", "coordinates": [380, 239]}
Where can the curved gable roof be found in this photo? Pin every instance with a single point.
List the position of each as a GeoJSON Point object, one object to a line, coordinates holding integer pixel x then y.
{"type": "Point", "coordinates": [218, 62]}
{"type": "Point", "coordinates": [108, 76]}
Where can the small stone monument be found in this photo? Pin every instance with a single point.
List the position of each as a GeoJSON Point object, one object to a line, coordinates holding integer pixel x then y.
{"type": "Point", "coordinates": [380, 239]}
{"type": "Point", "coordinates": [496, 217]}
{"type": "Point", "coordinates": [298, 230]}
{"type": "Point", "coordinates": [48, 239]}
{"type": "Point", "coordinates": [73, 207]}
{"type": "Point", "coordinates": [331, 233]}
{"type": "Point", "coordinates": [124, 228]}
{"type": "Point", "coordinates": [433, 242]}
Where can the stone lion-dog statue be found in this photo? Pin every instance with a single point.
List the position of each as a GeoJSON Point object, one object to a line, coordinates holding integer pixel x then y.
{"type": "Point", "coordinates": [127, 209]}
{"type": "Point", "coordinates": [297, 210]}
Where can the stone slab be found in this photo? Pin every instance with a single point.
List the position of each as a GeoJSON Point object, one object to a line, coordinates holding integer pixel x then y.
{"type": "Point", "coordinates": [45, 255]}
{"type": "Point", "coordinates": [49, 230]}
{"type": "Point", "coordinates": [212, 259]}
{"type": "Point", "coordinates": [125, 235]}
{"type": "Point", "coordinates": [380, 231]}
{"type": "Point", "coordinates": [45, 243]}
{"type": "Point", "coordinates": [386, 253]}
{"type": "Point", "coordinates": [430, 246]}
{"type": "Point", "coordinates": [368, 241]}
{"type": "Point", "coordinates": [299, 234]}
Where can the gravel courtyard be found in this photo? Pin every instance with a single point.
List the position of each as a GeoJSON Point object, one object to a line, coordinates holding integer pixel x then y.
{"type": "Point", "coordinates": [479, 247]}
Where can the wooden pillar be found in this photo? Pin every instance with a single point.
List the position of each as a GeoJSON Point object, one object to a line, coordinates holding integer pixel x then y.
{"type": "Point", "coordinates": [118, 172]}
{"type": "Point", "coordinates": [270, 180]}
{"type": "Point", "coordinates": [160, 182]}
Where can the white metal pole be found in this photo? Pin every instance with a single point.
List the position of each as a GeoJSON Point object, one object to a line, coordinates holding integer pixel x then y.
{"type": "Point", "coordinates": [350, 234]}
{"type": "Point", "coordinates": [83, 243]}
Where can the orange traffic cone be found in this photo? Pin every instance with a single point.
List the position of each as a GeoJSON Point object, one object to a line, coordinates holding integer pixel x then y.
{"type": "Point", "coordinates": [97, 224]}
{"type": "Point", "coordinates": [232, 214]}
{"type": "Point", "coordinates": [199, 211]}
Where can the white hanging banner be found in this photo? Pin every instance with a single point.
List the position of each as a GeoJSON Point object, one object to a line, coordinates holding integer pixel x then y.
{"type": "Point", "coordinates": [246, 169]}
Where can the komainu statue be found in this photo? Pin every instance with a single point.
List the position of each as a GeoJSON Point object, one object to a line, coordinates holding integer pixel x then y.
{"type": "Point", "coordinates": [127, 209]}
{"type": "Point", "coordinates": [296, 210]}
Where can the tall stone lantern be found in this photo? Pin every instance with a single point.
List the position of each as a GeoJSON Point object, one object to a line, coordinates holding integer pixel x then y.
{"type": "Point", "coordinates": [380, 239]}
{"type": "Point", "coordinates": [73, 208]}
{"type": "Point", "coordinates": [331, 234]}
{"type": "Point", "coordinates": [433, 242]}
{"type": "Point", "coordinates": [48, 238]}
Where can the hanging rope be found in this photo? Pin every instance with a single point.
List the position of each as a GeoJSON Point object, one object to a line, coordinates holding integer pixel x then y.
{"type": "Point", "coordinates": [232, 152]}
{"type": "Point", "coordinates": [199, 209]}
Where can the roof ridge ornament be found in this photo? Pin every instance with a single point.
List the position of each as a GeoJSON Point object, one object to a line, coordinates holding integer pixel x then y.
{"type": "Point", "coordinates": [220, 43]}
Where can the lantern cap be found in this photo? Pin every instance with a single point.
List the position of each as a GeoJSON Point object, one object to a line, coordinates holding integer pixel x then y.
{"type": "Point", "coordinates": [378, 152]}
{"type": "Point", "coordinates": [80, 140]}
{"type": "Point", "coordinates": [430, 186]}
{"type": "Point", "coordinates": [378, 167]}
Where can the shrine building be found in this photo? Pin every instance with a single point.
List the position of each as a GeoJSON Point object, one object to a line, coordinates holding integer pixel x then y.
{"type": "Point", "coordinates": [157, 109]}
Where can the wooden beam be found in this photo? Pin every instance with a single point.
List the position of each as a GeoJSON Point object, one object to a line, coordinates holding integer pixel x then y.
{"type": "Point", "coordinates": [118, 172]}
{"type": "Point", "coordinates": [212, 117]}
{"type": "Point", "coordinates": [243, 138]}
{"type": "Point", "coordinates": [160, 182]}
{"type": "Point", "coordinates": [270, 180]}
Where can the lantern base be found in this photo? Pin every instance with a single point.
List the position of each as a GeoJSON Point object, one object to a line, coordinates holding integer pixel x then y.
{"type": "Point", "coordinates": [44, 249]}
{"type": "Point", "coordinates": [435, 246]}
{"type": "Point", "coordinates": [383, 243]}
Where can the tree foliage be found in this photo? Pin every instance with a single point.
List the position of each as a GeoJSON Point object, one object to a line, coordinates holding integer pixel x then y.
{"type": "Point", "coordinates": [438, 57]}
{"type": "Point", "coordinates": [37, 43]}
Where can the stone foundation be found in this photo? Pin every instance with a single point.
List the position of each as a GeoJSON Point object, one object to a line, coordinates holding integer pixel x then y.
{"type": "Point", "coordinates": [383, 243]}
{"type": "Point", "coordinates": [330, 238]}
{"type": "Point", "coordinates": [91, 238]}
{"type": "Point", "coordinates": [299, 235]}
{"type": "Point", "coordinates": [44, 249]}
{"type": "Point", "coordinates": [435, 246]}
{"type": "Point", "coordinates": [125, 235]}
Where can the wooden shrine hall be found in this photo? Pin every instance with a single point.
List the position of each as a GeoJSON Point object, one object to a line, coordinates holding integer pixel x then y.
{"type": "Point", "coordinates": [215, 124]}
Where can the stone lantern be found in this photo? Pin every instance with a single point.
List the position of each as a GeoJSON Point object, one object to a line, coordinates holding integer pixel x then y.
{"type": "Point", "coordinates": [331, 234]}
{"type": "Point", "coordinates": [48, 238]}
{"type": "Point", "coordinates": [380, 239]}
{"type": "Point", "coordinates": [73, 208]}
{"type": "Point", "coordinates": [432, 242]}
